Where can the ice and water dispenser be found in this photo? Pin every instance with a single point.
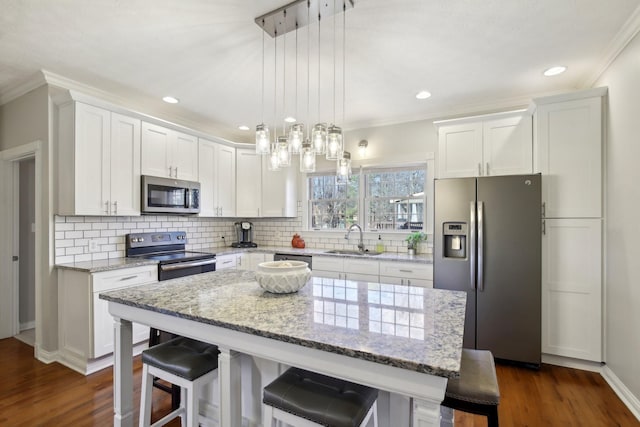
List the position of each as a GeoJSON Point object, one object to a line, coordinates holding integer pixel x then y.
{"type": "Point", "coordinates": [455, 239]}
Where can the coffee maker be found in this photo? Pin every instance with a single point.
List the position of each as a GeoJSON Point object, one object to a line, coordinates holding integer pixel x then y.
{"type": "Point", "coordinates": [244, 235]}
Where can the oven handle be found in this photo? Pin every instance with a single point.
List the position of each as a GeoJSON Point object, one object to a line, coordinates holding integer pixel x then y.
{"type": "Point", "coordinates": [181, 265]}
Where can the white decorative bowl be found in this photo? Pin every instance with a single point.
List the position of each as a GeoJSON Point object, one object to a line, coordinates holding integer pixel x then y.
{"type": "Point", "coordinates": [282, 277]}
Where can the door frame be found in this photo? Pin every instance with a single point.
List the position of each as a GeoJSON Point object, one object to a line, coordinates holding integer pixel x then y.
{"type": "Point", "coordinates": [9, 280]}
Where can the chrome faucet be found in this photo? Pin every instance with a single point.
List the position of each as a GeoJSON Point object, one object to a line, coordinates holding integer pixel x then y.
{"type": "Point", "coordinates": [360, 243]}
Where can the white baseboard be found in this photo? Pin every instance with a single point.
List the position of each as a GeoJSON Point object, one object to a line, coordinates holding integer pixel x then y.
{"type": "Point", "coordinates": [27, 325]}
{"type": "Point", "coordinates": [568, 362]}
{"type": "Point", "coordinates": [45, 356]}
{"type": "Point", "coordinates": [87, 367]}
{"type": "Point", "coordinates": [622, 391]}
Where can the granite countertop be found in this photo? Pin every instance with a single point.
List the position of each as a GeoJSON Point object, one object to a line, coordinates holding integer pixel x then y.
{"type": "Point", "coordinates": [384, 256]}
{"type": "Point", "coordinates": [408, 327]}
{"type": "Point", "coordinates": [118, 263]}
{"type": "Point", "coordinates": [98, 266]}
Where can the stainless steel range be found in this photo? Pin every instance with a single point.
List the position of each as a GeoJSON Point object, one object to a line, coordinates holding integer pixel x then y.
{"type": "Point", "coordinates": [168, 248]}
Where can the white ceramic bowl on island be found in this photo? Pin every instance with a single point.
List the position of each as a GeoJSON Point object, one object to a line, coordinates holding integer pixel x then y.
{"type": "Point", "coordinates": [282, 277]}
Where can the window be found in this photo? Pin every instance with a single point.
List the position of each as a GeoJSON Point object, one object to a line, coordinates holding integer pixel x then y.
{"type": "Point", "coordinates": [332, 205]}
{"type": "Point", "coordinates": [390, 199]}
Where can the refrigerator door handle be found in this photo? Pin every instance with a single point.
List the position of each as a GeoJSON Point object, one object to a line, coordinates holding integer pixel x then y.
{"type": "Point", "coordinates": [472, 245]}
{"type": "Point", "coordinates": [480, 245]}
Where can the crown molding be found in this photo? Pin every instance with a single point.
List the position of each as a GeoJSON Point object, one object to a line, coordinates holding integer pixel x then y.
{"type": "Point", "coordinates": [620, 41]}
{"type": "Point", "coordinates": [33, 82]}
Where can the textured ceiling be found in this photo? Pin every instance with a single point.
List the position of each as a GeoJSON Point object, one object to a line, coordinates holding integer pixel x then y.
{"type": "Point", "coordinates": [471, 55]}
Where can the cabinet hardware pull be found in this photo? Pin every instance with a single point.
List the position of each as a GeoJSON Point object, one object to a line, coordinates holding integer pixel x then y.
{"type": "Point", "coordinates": [170, 172]}
{"type": "Point", "coordinates": [479, 169]}
{"type": "Point", "coordinates": [544, 227]}
{"type": "Point", "coordinates": [486, 169]}
{"type": "Point", "coordinates": [176, 168]}
{"type": "Point", "coordinates": [406, 271]}
{"type": "Point", "coordinates": [409, 282]}
{"type": "Point", "coordinates": [115, 207]}
{"type": "Point", "coordinates": [544, 209]}
{"type": "Point", "coordinates": [127, 278]}
{"type": "Point", "coordinates": [106, 207]}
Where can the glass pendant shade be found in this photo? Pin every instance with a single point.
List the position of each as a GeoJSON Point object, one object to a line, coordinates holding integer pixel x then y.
{"type": "Point", "coordinates": [296, 136]}
{"type": "Point", "coordinates": [334, 143]}
{"type": "Point", "coordinates": [307, 158]}
{"type": "Point", "coordinates": [272, 163]}
{"type": "Point", "coordinates": [344, 165]}
{"type": "Point", "coordinates": [262, 139]}
{"type": "Point", "coordinates": [284, 156]}
{"type": "Point", "coordinates": [319, 138]}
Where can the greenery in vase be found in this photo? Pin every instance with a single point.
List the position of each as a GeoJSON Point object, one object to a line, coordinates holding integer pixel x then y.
{"type": "Point", "coordinates": [414, 238]}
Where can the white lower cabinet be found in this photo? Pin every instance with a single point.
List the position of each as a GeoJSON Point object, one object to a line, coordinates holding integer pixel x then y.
{"type": "Point", "coordinates": [407, 273]}
{"type": "Point", "coordinates": [85, 327]}
{"type": "Point", "coordinates": [224, 262]}
{"type": "Point", "coordinates": [364, 270]}
{"type": "Point", "coordinates": [571, 288]}
{"type": "Point", "coordinates": [250, 260]}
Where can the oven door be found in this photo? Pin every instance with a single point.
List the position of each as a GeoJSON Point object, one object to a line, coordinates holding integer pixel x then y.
{"type": "Point", "coordinates": [174, 270]}
{"type": "Point", "coordinates": [165, 195]}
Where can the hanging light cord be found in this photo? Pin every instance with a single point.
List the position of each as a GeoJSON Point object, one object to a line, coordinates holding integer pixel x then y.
{"type": "Point", "coordinates": [334, 61]}
{"type": "Point", "coordinates": [344, 60]}
{"type": "Point", "coordinates": [275, 84]}
{"type": "Point", "coordinates": [308, 68]}
{"type": "Point", "coordinates": [262, 112]}
{"type": "Point", "coordinates": [284, 78]}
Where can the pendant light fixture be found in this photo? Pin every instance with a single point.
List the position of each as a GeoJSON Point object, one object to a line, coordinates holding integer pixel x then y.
{"type": "Point", "coordinates": [307, 158]}
{"type": "Point", "coordinates": [319, 136]}
{"type": "Point", "coordinates": [334, 133]}
{"type": "Point", "coordinates": [344, 166]}
{"type": "Point", "coordinates": [262, 130]}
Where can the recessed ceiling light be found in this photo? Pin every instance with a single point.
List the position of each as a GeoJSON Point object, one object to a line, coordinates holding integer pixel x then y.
{"type": "Point", "coordinates": [554, 71]}
{"type": "Point", "coordinates": [243, 127]}
{"type": "Point", "coordinates": [170, 100]}
{"type": "Point", "coordinates": [423, 94]}
{"type": "Point", "coordinates": [290, 119]}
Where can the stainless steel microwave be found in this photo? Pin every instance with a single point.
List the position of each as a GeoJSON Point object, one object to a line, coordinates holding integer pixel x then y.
{"type": "Point", "coordinates": [169, 196]}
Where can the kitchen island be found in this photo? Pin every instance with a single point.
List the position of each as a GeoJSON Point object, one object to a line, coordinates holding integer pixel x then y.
{"type": "Point", "coordinates": [402, 339]}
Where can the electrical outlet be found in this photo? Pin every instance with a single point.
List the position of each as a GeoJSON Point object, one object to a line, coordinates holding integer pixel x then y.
{"type": "Point", "coordinates": [94, 246]}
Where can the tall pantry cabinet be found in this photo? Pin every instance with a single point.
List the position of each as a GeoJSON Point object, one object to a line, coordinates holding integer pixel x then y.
{"type": "Point", "coordinates": [568, 146]}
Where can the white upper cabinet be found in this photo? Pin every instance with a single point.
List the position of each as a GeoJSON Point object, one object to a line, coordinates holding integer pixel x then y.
{"type": "Point", "coordinates": [217, 176]}
{"type": "Point", "coordinates": [280, 190]}
{"type": "Point", "coordinates": [249, 183]}
{"type": "Point", "coordinates": [261, 192]}
{"type": "Point", "coordinates": [99, 161]}
{"type": "Point", "coordinates": [168, 153]}
{"type": "Point", "coordinates": [498, 144]}
{"type": "Point", "coordinates": [569, 155]}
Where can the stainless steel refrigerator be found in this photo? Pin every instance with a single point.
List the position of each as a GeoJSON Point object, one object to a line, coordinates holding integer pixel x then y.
{"type": "Point", "coordinates": [488, 243]}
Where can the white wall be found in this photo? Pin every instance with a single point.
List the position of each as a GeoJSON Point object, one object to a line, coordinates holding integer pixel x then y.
{"type": "Point", "coordinates": [622, 251]}
{"type": "Point", "coordinates": [23, 121]}
{"type": "Point", "coordinates": [27, 305]}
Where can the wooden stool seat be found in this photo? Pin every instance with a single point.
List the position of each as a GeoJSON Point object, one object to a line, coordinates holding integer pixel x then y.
{"type": "Point", "coordinates": [184, 362]}
{"type": "Point", "coordinates": [476, 390]}
{"type": "Point", "coordinates": [304, 398]}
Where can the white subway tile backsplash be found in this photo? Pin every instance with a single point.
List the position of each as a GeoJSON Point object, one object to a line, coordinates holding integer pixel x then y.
{"type": "Point", "coordinates": [73, 233]}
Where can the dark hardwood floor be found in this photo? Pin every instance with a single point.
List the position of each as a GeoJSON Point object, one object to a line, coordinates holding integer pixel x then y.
{"type": "Point", "coordinates": [35, 394]}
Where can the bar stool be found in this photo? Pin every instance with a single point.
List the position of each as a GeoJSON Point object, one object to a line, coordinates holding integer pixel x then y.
{"type": "Point", "coordinates": [184, 362]}
{"type": "Point", "coordinates": [476, 390]}
{"type": "Point", "coordinates": [304, 399]}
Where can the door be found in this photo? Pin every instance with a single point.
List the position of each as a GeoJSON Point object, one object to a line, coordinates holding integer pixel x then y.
{"type": "Point", "coordinates": [125, 165]}
{"type": "Point", "coordinates": [454, 267]}
{"type": "Point", "coordinates": [184, 157]}
{"type": "Point", "coordinates": [156, 143]}
{"type": "Point", "coordinates": [249, 182]}
{"type": "Point", "coordinates": [226, 180]}
{"type": "Point", "coordinates": [507, 146]}
{"type": "Point", "coordinates": [509, 267]}
{"type": "Point", "coordinates": [460, 150]}
{"type": "Point", "coordinates": [207, 177]}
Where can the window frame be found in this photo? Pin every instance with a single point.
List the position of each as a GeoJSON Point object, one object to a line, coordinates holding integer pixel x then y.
{"type": "Point", "coordinates": [428, 164]}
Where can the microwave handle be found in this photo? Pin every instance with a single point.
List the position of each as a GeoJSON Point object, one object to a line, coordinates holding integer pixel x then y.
{"type": "Point", "coordinates": [187, 197]}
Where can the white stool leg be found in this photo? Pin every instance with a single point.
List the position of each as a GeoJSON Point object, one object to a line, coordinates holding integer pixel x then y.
{"type": "Point", "coordinates": [192, 406]}
{"type": "Point", "coordinates": [145, 397]}
{"type": "Point", "coordinates": [183, 401]}
{"type": "Point", "coordinates": [267, 412]}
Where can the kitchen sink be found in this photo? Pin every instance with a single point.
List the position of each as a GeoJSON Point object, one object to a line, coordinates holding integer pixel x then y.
{"type": "Point", "coordinates": [350, 252]}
